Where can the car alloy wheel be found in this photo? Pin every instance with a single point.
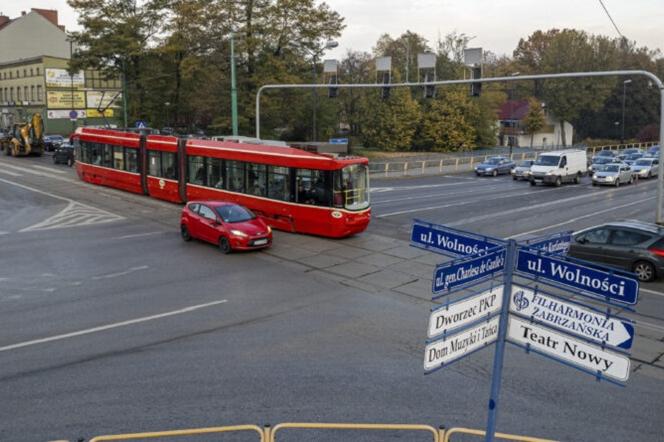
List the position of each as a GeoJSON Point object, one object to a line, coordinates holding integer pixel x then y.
{"type": "Point", "coordinates": [184, 232]}
{"type": "Point", "coordinates": [558, 182]}
{"type": "Point", "coordinates": [224, 245]}
{"type": "Point", "coordinates": [644, 270]}
{"type": "Point", "coordinates": [495, 173]}
{"type": "Point", "coordinates": [617, 182]}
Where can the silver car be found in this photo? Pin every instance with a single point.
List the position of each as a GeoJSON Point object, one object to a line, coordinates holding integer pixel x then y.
{"type": "Point", "coordinates": [646, 167]}
{"type": "Point", "coordinates": [522, 170]}
{"type": "Point", "coordinates": [613, 174]}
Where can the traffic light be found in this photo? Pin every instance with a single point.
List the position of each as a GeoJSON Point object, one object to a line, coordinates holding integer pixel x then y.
{"type": "Point", "coordinates": [385, 90]}
{"type": "Point", "coordinates": [429, 89]}
{"type": "Point", "coordinates": [333, 91]}
{"type": "Point", "coordinates": [476, 88]}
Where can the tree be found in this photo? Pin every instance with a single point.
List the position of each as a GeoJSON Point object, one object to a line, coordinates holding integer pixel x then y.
{"type": "Point", "coordinates": [445, 123]}
{"type": "Point", "coordinates": [534, 119]}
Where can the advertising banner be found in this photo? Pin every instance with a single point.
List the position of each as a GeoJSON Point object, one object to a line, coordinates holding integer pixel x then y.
{"type": "Point", "coordinates": [63, 99]}
{"type": "Point", "coordinates": [97, 99]}
{"type": "Point", "coordinates": [61, 78]}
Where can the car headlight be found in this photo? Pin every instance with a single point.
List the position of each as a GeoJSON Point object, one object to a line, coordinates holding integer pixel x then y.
{"type": "Point", "coordinates": [489, 169]}
{"type": "Point", "coordinates": [551, 172]}
{"type": "Point", "coordinates": [609, 178]}
{"type": "Point", "coordinates": [238, 233]}
{"type": "Point", "coordinates": [269, 229]}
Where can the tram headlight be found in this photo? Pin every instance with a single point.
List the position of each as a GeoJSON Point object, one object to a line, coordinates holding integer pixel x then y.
{"type": "Point", "coordinates": [239, 233]}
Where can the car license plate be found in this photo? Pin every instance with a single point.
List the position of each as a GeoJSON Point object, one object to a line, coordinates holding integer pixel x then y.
{"type": "Point", "coordinates": [260, 242]}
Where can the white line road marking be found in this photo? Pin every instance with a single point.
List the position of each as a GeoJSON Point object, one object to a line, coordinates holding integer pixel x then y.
{"type": "Point", "coordinates": [49, 169]}
{"type": "Point", "coordinates": [422, 186]}
{"type": "Point", "coordinates": [652, 292]}
{"type": "Point", "coordinates": [126, 272]}
{"type": "Point", "coordinates": [433, 195]}
{"type": "Point", "coordinates": [10, 173]}
{"type": "Point", "coordinates": [473, 219]}
{"type": "Point", "coordinates": [649, 325]}
{"type": "Point", "coordinates": [38, 173]}
{"type": "Point", "coordinates": [110, 326]}
{"type": "Point", "coordinates": [138, 235]}
{"type": "Point", "coordinates": [465, 203]}
{"type": "Point", "coordinates": [599, 212]}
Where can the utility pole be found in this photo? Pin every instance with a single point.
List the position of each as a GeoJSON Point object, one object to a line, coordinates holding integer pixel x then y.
{"type": "Point", "coordinates": [124, 92]}
{"type": "Point", "coordinates": [233, 88]}
{"type": "Point", "coordinates": [622, 136]}
{"type": "Point", "coordinates": [71, 83]}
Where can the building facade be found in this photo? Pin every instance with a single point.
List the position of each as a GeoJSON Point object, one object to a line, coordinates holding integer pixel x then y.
{"type": "Point", "coordinates": [513, 131]}
{"type": "Point", "coordinates": [38, 79]}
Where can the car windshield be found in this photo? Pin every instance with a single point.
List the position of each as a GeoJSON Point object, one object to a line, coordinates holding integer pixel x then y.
{"type": "Point", "coordinates": [600, 168]}
{"type": "Point", "coordinates": [611, 168]}
{"type": "Point", "coordinates": [526, 163]}
{"type": "Point", "coordinates": [234, 214]}
{"type": "Point", "coordinates": [605, 153]}
{"type": "Point", "coordinates": [494, 161]}
{"type": "Point", "coordinates": [547, 160]}
{"type": "Point", "coordinates": [634, 156]}
{"type": "Point", "coordinates": [353, 189]}
{"type": "Point", "coordinates": [603, 160]}
{"type": "Point", "coordinates": [643, 163]}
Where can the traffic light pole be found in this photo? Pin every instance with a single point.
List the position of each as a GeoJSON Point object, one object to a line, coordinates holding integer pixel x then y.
{"type": "Point", "coordinates": [652, 77]}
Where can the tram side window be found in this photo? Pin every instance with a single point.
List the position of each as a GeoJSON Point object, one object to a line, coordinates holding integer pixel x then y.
{"type": "Point", "coordinates": [154, 163]}
{"type": "Point", "coordinates": [96, 153]}
{"type": "Point", "coordinates": [132, 160]}
{"type": "Point", "coordinates": [107, 155]}
{"type": "Point", "coordinates": [256, 179]}
{"type": "Point", "coordinates": [235, 176]}
{"type": "Point", "coordinates": [196, 170]}
{"type": "Point", "coordinates": [311, 187]}
{"type": "Point", "coordinates": [118, 158]}
{"type": "Point", "coordinates": [169, 168]}
{"type": "Point", "coordinates": [278, 183]}
{"type": "Point", "coordinates": [215, 177]}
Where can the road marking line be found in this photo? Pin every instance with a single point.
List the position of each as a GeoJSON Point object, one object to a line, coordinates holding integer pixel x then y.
{"type": "Point", "coordinates": [526, 208]}
{"type": "Point", "coordinates": [652, 292]}
{"type": "Point", "coordinates": [126, 272]}
{"type": "Point", "coordinates": [36, 172]}
{"type": "Point", "coordinates": [610, 209]}
{"type": "Point", "coordinates": [464, 203]}
{"type": "Point", "coordinates": [10, 173]}
{"type": "Point", "coordinates": [138, 235]}
{"type": "Point", "coordinates": [110, 326]}
{"type": "Point", "coordinates": [374, 202]}
{"type": "Point", "coordinates": [649, 325]}
{"type": "Point", "coordinates": [49, 169]}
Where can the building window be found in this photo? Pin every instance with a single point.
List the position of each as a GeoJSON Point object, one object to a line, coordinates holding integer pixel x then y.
{"type": "Point", "coordinates": [25, 93]}
{"type": "Point", "coordinates": [11, 75]}
{"type": "Point", "coordinates": [18, 93]}
{"type": "Point", "coordinates": [32, 93]}
{"type": "Point", "coordinates": [31, 72]}
{"type": "Point", "coordinates": [39, 92]}
{"type": "Point", "coordinates": [37, 71]}
{"type": "Point", "coordinates": [17, 74]}
{"type": "Point", "coordinates": [11, 93]}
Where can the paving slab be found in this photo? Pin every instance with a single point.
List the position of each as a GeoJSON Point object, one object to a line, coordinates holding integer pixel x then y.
{"type": "Point", "coordinates": [647, 350]}
{"type": "Point", "coordinates": [318, 244]}
{"type": "Point", "coordinates": [651, 372]}
{"type": "Point", "coordinates": [405, 251]}
{"type": "Point", "coordinates": [322, 260]}
{"type": "Point", "coordinates": [432, 259]}
{"type": "Point", "coordinates": [352, 269]}
{"type": "Point", "coordinates": [376, 243]}
{"type": "Point", "coordinates": [360, 285]}
{"type": "Point", "coordinates": [289, 252]}
{"type": "Point", "coordinates": [413, 268]}
{"type": "Point", "coordinates": [379, 259]}
{"type": "Point", "coordinates": [388, 278]}
{"type": "Point", "coordinates": [348, 252]}
{"type": "Point", "coordinates": [419, 289]}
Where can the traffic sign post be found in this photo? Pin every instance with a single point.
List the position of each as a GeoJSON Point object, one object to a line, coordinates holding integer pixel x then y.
{"type": "Point", "coordinates": [572, 318]}
{"type": "Point", "coordinates": [467, 271]}
{"type": "Point", "coordinates": [450, 242]}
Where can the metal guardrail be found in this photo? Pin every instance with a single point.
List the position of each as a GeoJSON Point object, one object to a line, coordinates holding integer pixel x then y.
{"type": "Point", "coordinates": [513, 437]}
{"type": "Point", "coordinates": [188, 432]}
{"type": "Point", "coordinates": [268, 434]}
{"type": "Point", "coordinates": [466, 162]}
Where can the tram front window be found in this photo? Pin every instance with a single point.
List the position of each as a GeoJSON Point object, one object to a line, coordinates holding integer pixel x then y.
{"type": "Point", "coordinates": [351, 187]}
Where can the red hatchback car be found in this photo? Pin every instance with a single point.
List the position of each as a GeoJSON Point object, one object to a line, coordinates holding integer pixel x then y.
{"type": "Point", "coordinates": [230, 226]}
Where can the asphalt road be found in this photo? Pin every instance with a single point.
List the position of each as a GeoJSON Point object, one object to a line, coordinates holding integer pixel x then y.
{"type": "Point", "coordinates": [109, 323]}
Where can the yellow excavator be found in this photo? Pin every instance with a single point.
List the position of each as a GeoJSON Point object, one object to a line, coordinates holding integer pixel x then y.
{"type": "Point", "coordinates": [25, 138]}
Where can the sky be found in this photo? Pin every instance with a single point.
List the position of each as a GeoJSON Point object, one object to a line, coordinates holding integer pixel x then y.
{"type": "Point", "coordinates": [497, 25]}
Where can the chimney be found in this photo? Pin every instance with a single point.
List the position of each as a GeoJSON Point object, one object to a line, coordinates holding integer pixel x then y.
{"type": "Point", "coordinates": [49, 14]}
{"type": "Point", "coordinates": [3, 20]}
{"type": "Point", "coordinates": [22, 13]}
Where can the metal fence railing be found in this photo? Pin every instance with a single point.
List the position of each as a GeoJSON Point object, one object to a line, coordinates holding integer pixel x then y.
{"type": "Point", "coordinates": [269, 434]}
{"type": "Point", "coordinates": [466, 163]}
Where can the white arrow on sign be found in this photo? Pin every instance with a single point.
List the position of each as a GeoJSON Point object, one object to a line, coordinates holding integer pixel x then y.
{"type": "Point", "coordinates": [464, 312]}
{"type": "Point", "coordinates": [571, 317]}
{"type": "Point", "coordinates": [568, 349]}
{"type": "Point", "coordinates": [454, 347]}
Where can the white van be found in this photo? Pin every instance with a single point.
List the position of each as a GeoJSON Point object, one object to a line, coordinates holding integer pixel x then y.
{"type": "Point", "coordinates": [557, 167]}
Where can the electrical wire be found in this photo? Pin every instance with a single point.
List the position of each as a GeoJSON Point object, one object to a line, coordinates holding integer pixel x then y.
{"type": "Point", "coordinates": [611, 18]}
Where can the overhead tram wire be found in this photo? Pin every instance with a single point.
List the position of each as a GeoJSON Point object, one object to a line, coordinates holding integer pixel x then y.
{"type": "Point", "coordinates": [611, 18]}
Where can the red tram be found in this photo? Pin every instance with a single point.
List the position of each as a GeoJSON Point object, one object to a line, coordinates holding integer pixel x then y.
{"type": "Point", "coordinates": [293, 190]}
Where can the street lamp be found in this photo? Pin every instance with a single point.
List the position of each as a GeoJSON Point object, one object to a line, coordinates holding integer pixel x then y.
{"type": "Point", "coordinates": [330, 44]}
{"type": "Point", "coordinates": [622, 137]}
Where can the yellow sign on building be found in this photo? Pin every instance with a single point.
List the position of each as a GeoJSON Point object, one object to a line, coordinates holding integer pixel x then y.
{"type": "Point", "coordinates": [63, 99]}
{"type": "Point", "coordinates": [94, 113]}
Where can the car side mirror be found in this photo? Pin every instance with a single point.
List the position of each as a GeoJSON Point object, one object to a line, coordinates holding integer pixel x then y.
{"type": "Point", "coordinates": [581, 240]}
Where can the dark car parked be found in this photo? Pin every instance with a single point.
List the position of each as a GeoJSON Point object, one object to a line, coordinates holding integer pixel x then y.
{"type": "Point", "coordinates": [632, 245]}
{"type": "Point", "coordinates": [64, 154]}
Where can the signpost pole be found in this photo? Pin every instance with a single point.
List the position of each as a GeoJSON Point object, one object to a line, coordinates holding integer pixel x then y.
{"type": "Point", "coordinates": [496, 373]}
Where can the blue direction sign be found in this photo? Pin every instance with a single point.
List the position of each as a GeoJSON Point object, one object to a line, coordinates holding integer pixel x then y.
{"type": "Point", "coordinates": [589, 281]}
{"type": "Point", "coordinates": [450, 242]}
{"type": "Point", "coordinates": [140, 124]}
{"type": "Point", "coordinates": [338, 141]}
{"type": "Point", "coordinates": [557, 244]}
{"type": "Point", "coordinates": [467, 271]}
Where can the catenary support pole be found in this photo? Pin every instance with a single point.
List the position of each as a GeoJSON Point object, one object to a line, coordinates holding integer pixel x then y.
{"type": "Point", "coordinates": [497, 372]}
{"type": "Point", "coordinates": [233, 88]}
